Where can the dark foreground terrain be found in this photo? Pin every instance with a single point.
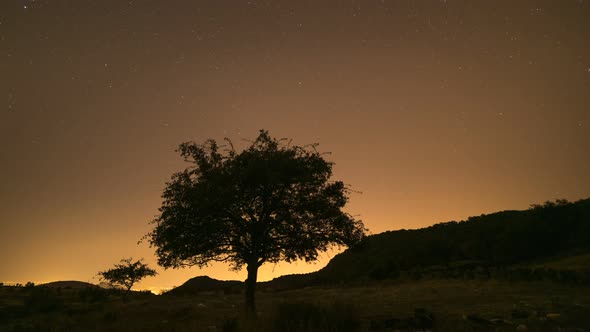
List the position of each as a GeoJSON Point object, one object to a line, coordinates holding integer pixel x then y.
{"type": "Point", "coordinates": [435, 305]}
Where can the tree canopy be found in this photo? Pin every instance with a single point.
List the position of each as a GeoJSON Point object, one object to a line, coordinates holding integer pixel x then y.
{"type": "Point", "coordinates": [271, 202]}
{"type": "Point", "coordinates": [126, 274]}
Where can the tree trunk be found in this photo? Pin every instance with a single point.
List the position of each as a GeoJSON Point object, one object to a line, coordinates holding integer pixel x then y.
{"type": "Point", "coordinates": [251, 289]}
{"type": "Point", "coordinates": [126, 293]}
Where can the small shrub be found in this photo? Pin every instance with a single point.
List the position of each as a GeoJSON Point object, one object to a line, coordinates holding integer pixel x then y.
{"type": "Point", "coordinates": [378, 273]}
{"type": "Point", "coordinates": [92, 294]}
{"type": "Point", "coordinates": [230, 325]}
{"type": "Point", "coordinates": [184, 312]}
{"type": "Point", "coordinates": [307, 317]}
{"type": "Point", "coordinates": [42, 300]}
{"type": "Point", "coordinates": [110, 316]}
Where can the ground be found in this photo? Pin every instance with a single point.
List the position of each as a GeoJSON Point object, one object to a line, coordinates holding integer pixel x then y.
{"type": "Point", "coordinates": [436, 305]}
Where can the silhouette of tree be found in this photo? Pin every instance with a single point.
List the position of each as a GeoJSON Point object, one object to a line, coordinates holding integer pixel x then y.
{"type": "Point", "coordinates": [271, 202]}
{"type": "Point", "coordinates": [126, 274]}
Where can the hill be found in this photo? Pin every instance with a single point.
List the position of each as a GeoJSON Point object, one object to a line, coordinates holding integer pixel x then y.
{"type": "Point", "coordinates": [499, 239]}
{"type": "Point", "coordinates": [554, 236]}
{"type": "Point", "coordinates": [69, 284]}
{"type": "Point", "coordinates": [202, 284]}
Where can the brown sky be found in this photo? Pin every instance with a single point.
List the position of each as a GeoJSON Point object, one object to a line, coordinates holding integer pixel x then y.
{"type": "Point", "coordinates": [434, 110]}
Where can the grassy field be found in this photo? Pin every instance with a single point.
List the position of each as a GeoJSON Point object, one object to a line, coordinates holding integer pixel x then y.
{"type": "Point", "coordinates": [436, 305]}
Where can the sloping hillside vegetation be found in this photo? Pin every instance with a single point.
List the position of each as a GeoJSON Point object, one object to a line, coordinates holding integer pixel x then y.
{"type": "Point", "coordinates": [495, 240]}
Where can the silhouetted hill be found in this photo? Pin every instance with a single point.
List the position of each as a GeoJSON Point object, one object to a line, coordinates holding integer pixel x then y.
{"type": "Point", "coordinates": [73, 284]}
{"type": "Point", "coordinates": [205, 284]}
{"type": "Point", "coordinates": [554, 237]}
{"type": "Point", "coordinates": [497, 239]}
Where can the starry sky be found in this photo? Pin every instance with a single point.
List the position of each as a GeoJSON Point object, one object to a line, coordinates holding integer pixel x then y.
{"type": "Point", "coordinates": [432, 110]}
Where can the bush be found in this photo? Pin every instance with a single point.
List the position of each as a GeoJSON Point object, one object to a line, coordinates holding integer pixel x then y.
{"type": "Point", "coordinates": [307, 317]}
{"type": "Point", "coordinates": [110, 316]}
{"type": "Point", "coordinates": [43, 300]}
{"type": "Point", "coordinates": [92, 294]}
{"type": "Point", "coordinates": [230, 325]}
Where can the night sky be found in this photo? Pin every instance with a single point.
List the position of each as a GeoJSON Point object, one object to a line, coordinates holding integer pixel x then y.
{"type": "Point", "coordinates": [432, 110]}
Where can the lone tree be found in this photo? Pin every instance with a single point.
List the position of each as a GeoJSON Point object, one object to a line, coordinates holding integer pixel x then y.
{"type": "Point", "coordinates": [268, 203]}
{"type": "Point", "coordinates": [126, 274]}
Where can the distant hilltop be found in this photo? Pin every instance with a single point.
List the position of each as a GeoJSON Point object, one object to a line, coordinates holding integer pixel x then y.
{"type": "Point", "coordinates": [73, 284]}
{"type": "Point", "coordinates": [203, 284]}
